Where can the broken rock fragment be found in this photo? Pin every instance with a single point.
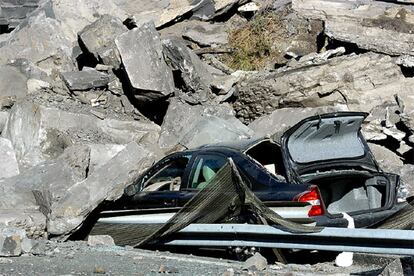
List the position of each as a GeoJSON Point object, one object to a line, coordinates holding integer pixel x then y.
{"type": "Point", "coordinates": [85, 80]}
{"type": "Point", "coordinates": [8, 162]}
{"type": "Point", "coordinates": [105, 184]}
{"type": "Point", "coordinates": [332, 82]}
{"type": "Point", "coordinates": [372, 25]}
{"type": "Point", "coordinates": [206, 34]}
{"type": "Point", "coordinates": [47, 49]}
{"type": "Point", "coordinates": [98, 240]}
{"type": "Point", "coordinates": [99, 39]}
{"type": "Point", "coordinates": [192, 70]}
{"type": "Point", "coordinates": [199, 125]}
{"type": "Point", "coordinates": [12, 85]}
{"type": "Point", "coordinates": [39, 132]}
{"type": "Point", "coordinates": [142, 57]}
{"type": "Point", "coordinates": [33, 221]}
{"type": "Point", "coordinates": [11, 241]}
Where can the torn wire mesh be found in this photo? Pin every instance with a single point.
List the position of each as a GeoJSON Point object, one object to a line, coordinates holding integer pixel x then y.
{"type": "Point", "coordinates": [226, 199]}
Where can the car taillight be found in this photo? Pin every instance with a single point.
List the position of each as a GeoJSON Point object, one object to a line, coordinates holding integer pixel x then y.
{"type": "Point", "coordinates": [313, 197]}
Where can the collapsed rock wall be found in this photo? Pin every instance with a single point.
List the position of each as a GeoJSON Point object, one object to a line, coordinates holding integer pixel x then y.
{"type": "Point", "coordinates": [99, 79]}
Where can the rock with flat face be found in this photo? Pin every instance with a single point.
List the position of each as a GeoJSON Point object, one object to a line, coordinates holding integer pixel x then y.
{"type": "Point", "coordinates": [105, 184]}
{"type": "Point", "coordinates": [39, 132]}
{"type": "Point", "coordinates": [206, 34]}
{"type": "Point", "coordinates": [99, 240]}
{"type": "Point", "coordinates": [48, 49]}
{"type": "Point", "coordinates": [12, 85]}
{"type": "Point", "coordinates": [200, 124]}
{"type": "Point", "coordinates": [33, 221]}
{"type": "Point", "coordinates": [11, 240]}
{"type": "Point", "coordinates": [99, 39]}
{"type": "Point", "coordinates": [85, 80]}
{"type": "Point", "coordinates": [45, 183]}
{"type": "Point", "coordinates": [360, 82]}
{"type": "Point", "coordinates": [141, 53]}
{"type": "Point", "coordinates": [193, 71]}
{"type": "Point", "coordinates": [407, 177]}
{"type": "Point", "coordinates": [372, 25]}
{"type": "Point", "coordinates": [8, 162]}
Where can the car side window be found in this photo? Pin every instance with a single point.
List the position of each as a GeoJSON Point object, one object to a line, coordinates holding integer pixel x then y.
{"type": "Point", "coordinates": [167, 177]}
{"type": "Point", "coordinates": [204, 169]}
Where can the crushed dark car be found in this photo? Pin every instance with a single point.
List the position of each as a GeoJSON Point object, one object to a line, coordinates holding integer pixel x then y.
{"type": "Point", "coordinates": [318, 169]}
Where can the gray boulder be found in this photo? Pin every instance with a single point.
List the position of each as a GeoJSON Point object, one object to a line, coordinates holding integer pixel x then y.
{"type": "Point", "coordinates": [12, 242]}
{"type": "Point", "coordinates": [255, 263]}
{"type": "Point", "coordinates": [331, 82]}
{"type": "Point", "coordinates": [210, 129]}
{"type": "Point", "coordinates": [12, 85]}
{"type": "Point", "coordinates": [141, 53]}
{"type": "Point", "coordinates": [372, 25]}
{"type": "Point", "coordinates": [193, 71]}
{"type": "Point", "coordinates": [199, 125]}
{"type": "Point", "coordinates": [99, 240]}
{"type": "Point", "coordinates": [8, 162]}
{"type": "Point", "coordinates": [33, 221]}
{"type": "Point", "coordinates": [105, 184]}
{"type": "Point", "coordinates": [99, 39]}
{"type": "Point", "coordinates": [101, 154]}
{"type": "Point", "coordinates": [45, 183]}
{"type": "Point", "coordinates": [206, 34]}
{"type": "Point", "coordinates": [387, 160]}
{"type": "Point", "coordinates": [48, 49]}
{"type": "Point", "coordinates": [39, 132]}
{"type": "Point", "coordinates": [85, 80]}
{"type": "Point", "coordinates": [407, 179]}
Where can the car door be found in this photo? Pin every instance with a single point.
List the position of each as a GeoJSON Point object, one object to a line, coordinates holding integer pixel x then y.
{"type": "Point", "coordinates": [160, 186]}
{"type": "Point", "coordinates": [203, 169]}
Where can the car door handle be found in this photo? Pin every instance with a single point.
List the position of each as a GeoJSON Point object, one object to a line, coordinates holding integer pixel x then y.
{"type": "Point", "coordinates": [170, 202]}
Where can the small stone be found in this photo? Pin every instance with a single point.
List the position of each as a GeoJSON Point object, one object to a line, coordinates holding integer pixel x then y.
{"type": "Point", "coordinates": [98, 240]}
{"type": "Point", "coordinates": [99, 270]}
{"type": "Point", "coordinates": [256, 262]}
{"type": "Point", "coordinates": [10, 241]}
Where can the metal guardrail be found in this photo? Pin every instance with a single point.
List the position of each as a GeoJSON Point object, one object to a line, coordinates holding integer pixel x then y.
{"type": "Point", "coordinates": [377, 241]}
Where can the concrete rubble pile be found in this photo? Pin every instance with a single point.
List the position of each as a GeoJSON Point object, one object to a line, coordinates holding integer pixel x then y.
{"type": "Point", "coordinates": [92, 93]}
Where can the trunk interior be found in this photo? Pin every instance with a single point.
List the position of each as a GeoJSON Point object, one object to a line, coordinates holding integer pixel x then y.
{"type": "Point", "coordinates": [351, 191]}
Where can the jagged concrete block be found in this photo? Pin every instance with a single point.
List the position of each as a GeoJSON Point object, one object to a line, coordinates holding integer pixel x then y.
{"type": "Point", "coordinates": [142, 57]}
{"type": "Point", "coordinates": [8, 162]}
{"type": "Point", "coordinates": [85, 80]}
{"type": "Point", "coordinates": [99, 39]}
{"type": "Point", "coordinates": [105, 184]}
